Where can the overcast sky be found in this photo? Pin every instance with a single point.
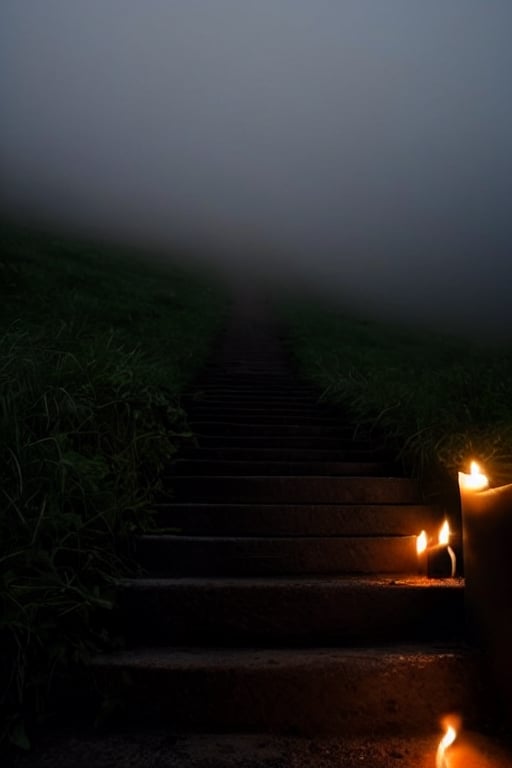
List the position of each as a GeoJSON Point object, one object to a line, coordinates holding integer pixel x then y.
{"type": "Point", "coordinates": [363, 143]}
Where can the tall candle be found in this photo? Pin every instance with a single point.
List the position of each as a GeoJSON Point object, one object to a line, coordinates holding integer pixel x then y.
{"type": "Point", "coordinates": [487, 541]}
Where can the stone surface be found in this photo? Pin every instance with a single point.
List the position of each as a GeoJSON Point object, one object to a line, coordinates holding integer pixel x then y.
{"type": "Point", "coordinates": [291, 611]}
{"type": "Point", "coordinates": [163, 748]}
{"type": "Point", "coordinates": [298, 519]}
{"type": "Point", "coordinates": [250, 556]}
{"type": "Point", "coordinates": [298, 488]}
{"type": "Point", "coordinates": [399, 690]}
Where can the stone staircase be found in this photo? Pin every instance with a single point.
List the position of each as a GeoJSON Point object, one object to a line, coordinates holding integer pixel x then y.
{"type": "Point", "coordinates": [284, 595]}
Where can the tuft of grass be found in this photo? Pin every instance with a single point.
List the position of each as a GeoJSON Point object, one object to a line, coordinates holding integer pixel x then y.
{"type": "Point", "coordinates": [95, 348]}
{"type": "Point", "coordinates": [440, 400]}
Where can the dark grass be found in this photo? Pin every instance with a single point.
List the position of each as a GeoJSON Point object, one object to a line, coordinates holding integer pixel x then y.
{"type": "Point", "coordinates": [441, 400]}
{"type": "Point", "coordinates": [95, 347]}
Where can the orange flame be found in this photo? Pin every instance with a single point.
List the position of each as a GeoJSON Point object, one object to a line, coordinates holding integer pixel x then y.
{"type": "Point", "coordinates": [475, 481]}
{"type": "Point", "coordinates": [444, 534]}
{"type": "Point", "coordinates": [421, 542]}
{"type": "Point", "coordinates": [447, 740]}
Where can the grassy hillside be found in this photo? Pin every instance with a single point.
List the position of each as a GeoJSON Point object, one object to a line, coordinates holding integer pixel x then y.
{"type": "Point", "coordinates": [441, 400]}
{"type": "Point", "coordinates": [95, 347]}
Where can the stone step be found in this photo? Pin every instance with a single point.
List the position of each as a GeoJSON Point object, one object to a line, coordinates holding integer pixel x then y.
{"type": "Point", "coordinates": [178, 555]}
{"type": "Point", "coordinates": [291, 611]}
{"type": "Point", "coordinates": [164, 748]}
{"type": "Point", "coordinates": [262, 389]}
{"type": "Point", "coordinates": [283, 442]}
{"type": "Point", "coordinates": [284, 454]}
{"type": "Point", "coordinates": [218, 427]}
{"type": "Point", "coordinates": [264, 417]}
{"type": "Point", "coordinates": [261, 404]}
{"type": "Point", "coordinates": [253, 396]}
{"type": "Point", "coordinates": [299, 519]}
{"type": "Point", "coordinates": [290, 489]}
{"type": "Point", "coordinates": [257, 378]}
{"type": "Point", "coordinates": [303, 468]}
{"type": "Point", "coordinates": [237, 412]}
{"type": "Point", "coordinates": [405, 689]}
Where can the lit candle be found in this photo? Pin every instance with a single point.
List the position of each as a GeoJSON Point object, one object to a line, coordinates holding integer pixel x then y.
{"type": "Point", "coordinates": [447, 740]}
{"type": "Point", "coordinates": [487, 541]}
{"type": "Point", "coordinates": [438, 560]}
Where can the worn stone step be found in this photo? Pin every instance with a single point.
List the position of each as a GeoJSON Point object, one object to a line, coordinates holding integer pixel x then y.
{"type": "Point", "coordinates": [239, 413]}
{"type": "Point", "coordinates": [403, 690]}
{"type": "Point", "coordinates": [261, 403]}
{"type": "Point", "coordinates": [283, 442]}
{"type": "Point", "coordinates": [264, 417]}
{"type": "Point", "coordinates": [219, 427]}
{"type": "Point", "coordinates": [299, 519]}
{"type": "Point", "coordinates": [291, 611]}
{"type": "Point", "coordinates": [165, 748]}
{"type": "Point", "coordinates": [262, 389]}
{"type": "Point", "coordinates": [173, 555]}
{"type": "Point", "coordinates": [240, 379]}
{"type": "Point", "coordinates": [251, 395]}
{"type": "Point", "coordinates": [284, 454]}
{"type": "Point", "coordinates": [289, 489]}
{"type": "Point", "coordinates": [303, 468]}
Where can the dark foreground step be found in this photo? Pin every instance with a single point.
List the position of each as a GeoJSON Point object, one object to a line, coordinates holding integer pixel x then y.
{"type": "Point", "coordinates": [290, 489]}
{"type": "Point", "coordinates": [164, 554]}
{"type": "Point", "coordinates": [330, 690]}
{"type": "Point", "coordinates": [84, 747]}
{"type": "Point", "coordinates": [299, 519]}
{"type": "Point", "coordinates": [291, 611]}
{"type": "Point", "coordinates": [316, 468]}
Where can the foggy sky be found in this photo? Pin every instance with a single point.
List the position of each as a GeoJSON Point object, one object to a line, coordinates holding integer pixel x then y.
{"type": "Point", "coordinates": [363, 144]}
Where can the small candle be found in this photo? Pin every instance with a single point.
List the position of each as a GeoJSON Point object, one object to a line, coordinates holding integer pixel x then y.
{"type": "Point", "coordinates": [439, 560]}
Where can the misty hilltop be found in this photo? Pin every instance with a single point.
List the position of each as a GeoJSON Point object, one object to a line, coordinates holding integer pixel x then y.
{"type": "Point", "coordinates": [363, 147]}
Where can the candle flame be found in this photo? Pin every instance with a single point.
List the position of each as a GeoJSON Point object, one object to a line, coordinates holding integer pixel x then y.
{"type": "Point", "coordinates": [447, 740]}
{"type": "Point", "coordinates": [421, 542]}
{"type": "Point", "coordinates": [444, 534]}
{"type": "Point", "coordinates": [475, 481]}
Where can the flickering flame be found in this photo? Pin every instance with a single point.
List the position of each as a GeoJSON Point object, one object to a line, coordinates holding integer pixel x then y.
{"type": "Point", "coordinates": [444, 534]}
{"type": "Point", "coordinates": [447, 740]}
{"type": "Point", "coordinates": [475, 481]}
{"type": "Point", "coordinates": [421, 542]}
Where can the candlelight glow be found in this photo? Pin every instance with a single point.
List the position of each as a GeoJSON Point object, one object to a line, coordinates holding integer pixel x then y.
{"type": "Point", "coordinates": [475, 481]}
{"type": "Point", "coordinates": [447, 740]}
{"type": "Point", "coordinates": [421, 543]}
{"type": "Point", "coordinates": [444, 534]}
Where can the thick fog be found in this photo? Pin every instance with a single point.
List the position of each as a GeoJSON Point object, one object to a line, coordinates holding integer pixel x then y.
{"type": "Point", "coordinates": [363, 145]}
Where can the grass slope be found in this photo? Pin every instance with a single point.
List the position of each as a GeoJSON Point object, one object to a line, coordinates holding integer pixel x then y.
{"type": "Point", "coordinates": [95, 347]}
{"type": "Point", "coordinates": [440, 400]}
